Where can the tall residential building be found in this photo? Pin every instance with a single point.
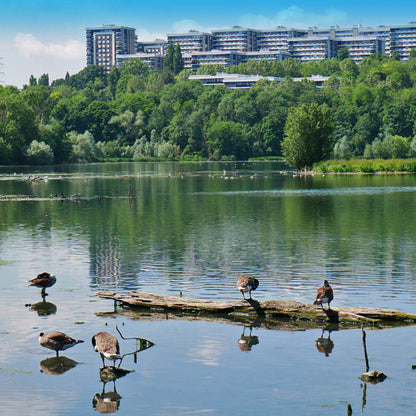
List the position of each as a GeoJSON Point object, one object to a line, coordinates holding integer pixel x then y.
{"type": "Point", "coordinates": [236, 39]}
{"type": "Point", "coordinates": [313, 48]}
{"type": "Point", "coordinates": [104, 43]}
{"type": "Point", "coordinates": [158, 47]}
{"type": "Point", "coordinates": [360, 47]}
{"type": "Point", "coordinates": [401, 39]}
{"type": "Point", "coordinates": [277, 39]}
{"type": "Point", "coordinates": [192, 41]}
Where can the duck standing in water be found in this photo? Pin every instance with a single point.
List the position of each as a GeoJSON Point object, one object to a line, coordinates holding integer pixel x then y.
{"type": "Point", "coordinates": [43, 280]}
{"type": "Point", "coordinates": [57, 341]}
{"type": "Point", "coordinates": [107, 345]}
{"type": "Point", "coordinates": [324, 294]}
{"type": "Point", "coordinates": [247, 283]}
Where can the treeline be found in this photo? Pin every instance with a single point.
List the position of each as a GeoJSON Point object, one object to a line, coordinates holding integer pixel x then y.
{"type": "Point", "coordinates": [137, 113]}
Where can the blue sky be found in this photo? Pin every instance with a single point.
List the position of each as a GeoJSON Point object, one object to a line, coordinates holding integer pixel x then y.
{"type": "Point", "coordinates": [48, 36]}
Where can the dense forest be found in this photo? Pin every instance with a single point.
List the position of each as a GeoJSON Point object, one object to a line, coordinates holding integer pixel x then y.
{"type": "Point", "coordinates": [137, 113]}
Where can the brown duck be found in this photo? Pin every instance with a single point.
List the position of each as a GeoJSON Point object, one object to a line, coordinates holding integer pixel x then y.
{"type": "Point", "coordinates": [246, 284]}
{"type": "Point", "coordinates": [324, 295]}
{"type": "Point", "coordinates": [43, 280]}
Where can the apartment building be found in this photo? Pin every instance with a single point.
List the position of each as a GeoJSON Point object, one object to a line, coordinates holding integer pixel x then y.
{"type": "Point", "coordinates": [401, 39]}
{"type": "Point", "coordinates": [105, 43]}
{"type": "Point", "coordinates": [192, 41]}
{"type": "Point", "coordinates": [313, 48]}
{"type": "Point", "coordinates": [360, 47]}
{"type": "Point", "coordinates": [225, 58]}
{"type": "Point", "coordinates": [157, 47]}
{"type": "Point", "coordinates": [277, 39]}
{"type": "Point", "coordinates": [236, 39]}
{"type": "Point", "coordinates": [153, 60]}
{"type": "Point", "coordinates": [237, 44]}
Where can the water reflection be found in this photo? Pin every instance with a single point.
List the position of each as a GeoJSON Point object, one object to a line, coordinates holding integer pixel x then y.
{"type": "Point", "coordinates": [56, 365]}
{"type": "Point", "coordinates": [107, 402]}
{"type": "Point", "coordinates": [246, 342]}
{"type": "Point", "coordinates": [324, 344]}
{"type": "Point", "coordinates": [43, 308]}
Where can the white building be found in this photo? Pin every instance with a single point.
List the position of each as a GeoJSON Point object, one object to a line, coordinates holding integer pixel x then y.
{"type": "Point", "coordinates": [154, 61]}
{"type": "Point", "coordinates": [244, 82]}
{"type": "Point", "coordinates": [192, 41]}
{"type": "Point", "coordinates": [236, 39]}
{"type": "Point", "coordinates": [105, 43]}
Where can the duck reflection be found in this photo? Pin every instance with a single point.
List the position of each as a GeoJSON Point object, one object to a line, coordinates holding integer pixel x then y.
{"type": "Point", "coordinates": [54, 366]}
{"type": "Point", "coordinates": [109, 402]}
{"type": "Point", "coordinates": [246, 342]}
{"type": "Point", "coordinates": [325, 344]}
{"type": "Point", "coordinates": [43, 308]}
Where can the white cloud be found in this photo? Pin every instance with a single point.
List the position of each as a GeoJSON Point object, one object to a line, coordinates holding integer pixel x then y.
{"type": "Point", "coordinates": [30, 46]}
{"type": "Point", "coordinates": [183, 26]}
{"type": "Point", "coordinates": [295, 17]}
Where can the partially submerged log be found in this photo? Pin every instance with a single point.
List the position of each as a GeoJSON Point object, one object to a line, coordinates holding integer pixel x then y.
{"type": "Point", "coordinates": [267, 311]}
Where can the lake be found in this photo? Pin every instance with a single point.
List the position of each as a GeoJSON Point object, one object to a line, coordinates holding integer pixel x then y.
{"type": "Point", "coordinates": [193, 228]}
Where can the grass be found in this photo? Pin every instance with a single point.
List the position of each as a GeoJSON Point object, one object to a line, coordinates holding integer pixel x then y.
{"type": "Point", "coordinates": [366, 166]}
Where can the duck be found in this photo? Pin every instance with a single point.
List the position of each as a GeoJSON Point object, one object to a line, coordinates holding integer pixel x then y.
{"type": "Point", "coordinates": [324, 294]}
{"type": "Point", "coordinates": [107, 345]}
{"type": "Point", "coordinates": [57, 341]}
{"type": "Point", "coordinates": [247, 283]}
{"type": "Point", "coordinates": [43, 280]}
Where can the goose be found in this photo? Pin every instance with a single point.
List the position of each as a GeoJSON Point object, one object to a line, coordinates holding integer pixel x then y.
{"type": "Point", "coordinates": [107, 345]}
{"type": "Point", "coordinates": [57, 341]}
{"type": "Point", "coordinates": [324, 295]}
{"type": "Point", "coordinates": [247, 283]}
{"type": "Point", "coordinates": [43, 280]}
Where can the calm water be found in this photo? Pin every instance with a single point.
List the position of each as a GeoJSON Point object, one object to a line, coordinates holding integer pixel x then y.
{"type": "Point", "coordinates": [193, 228]}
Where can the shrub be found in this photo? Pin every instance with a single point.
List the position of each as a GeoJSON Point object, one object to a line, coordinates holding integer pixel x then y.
{"type": "Point", "coordinates": [39, 153]}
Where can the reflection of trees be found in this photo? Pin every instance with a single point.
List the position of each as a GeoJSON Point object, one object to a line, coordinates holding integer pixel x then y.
{"type": "Point", "coordinates": [183, 225]}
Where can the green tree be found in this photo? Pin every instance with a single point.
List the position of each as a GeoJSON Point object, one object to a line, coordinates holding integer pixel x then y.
{"type": "Point", "coordinates": [44, 80]}
{"type": "Point", "coordinates": [308, 135]}
{"type": "Point", "coordinates": [168, 61]}
{"type": "Point", "coordinates": [39, 153]}
{"type": "Point", "coordinates": [135, 66]}
{"type": "Point", "coordinates": [178, 63]}
{"type": "Point", "coordinates": [343, 53]}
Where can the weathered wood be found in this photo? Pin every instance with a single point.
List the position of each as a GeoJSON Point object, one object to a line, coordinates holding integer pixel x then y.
{"type": "Point", "coordinates": [269, 310]}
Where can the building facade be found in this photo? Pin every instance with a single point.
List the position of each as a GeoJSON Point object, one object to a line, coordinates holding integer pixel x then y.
{"type": "Point", "coordinates": [105, 43]}
{"type": "Point", "coordinates": [401, 39]}
{"type": "Point", "coordinates": [235, 45]}
{"type": "Point", "coordinates": [191, 41]}
{"type": "Point", "coordinates": [236, 39]}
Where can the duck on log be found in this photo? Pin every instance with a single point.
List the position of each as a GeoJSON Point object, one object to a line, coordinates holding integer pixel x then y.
{"type": "Point", "coordinates": [268, 309]}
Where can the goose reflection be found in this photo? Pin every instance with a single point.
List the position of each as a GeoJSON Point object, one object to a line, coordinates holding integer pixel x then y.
{"type": "Point", "coordinates": [54, 366]}
{"type": "Point", "coordinates": [246, 342]}
{"type": "Point", "coordinates": [325, 344]}
{"type": "Point", "coordinates": [43, 308]}
{"type": "Point", "coordinates": [109, 402]}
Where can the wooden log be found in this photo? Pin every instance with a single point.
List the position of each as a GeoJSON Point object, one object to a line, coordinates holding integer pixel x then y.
{"type": "Point", "coordinates": [269, 310]}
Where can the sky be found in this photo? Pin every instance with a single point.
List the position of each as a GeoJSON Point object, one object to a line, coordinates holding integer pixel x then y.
{"type": "Point", "coordinates": [48, 36]}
